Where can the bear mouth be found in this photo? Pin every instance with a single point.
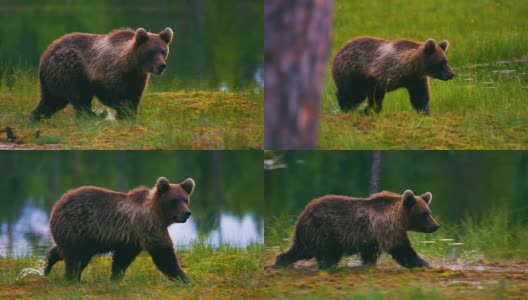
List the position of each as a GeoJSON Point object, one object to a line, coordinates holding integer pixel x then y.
{"type": "Point", "coordinates": [431, 229]}
{"type": "Point", "coordinates": [446, 77]}
{"type": "Point", "coordinates": [158, 70]}
{"type": "Point", "coordinates": [181, 219]}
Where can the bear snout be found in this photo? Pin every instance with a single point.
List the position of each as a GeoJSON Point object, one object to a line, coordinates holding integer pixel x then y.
{"type": "Point", "coordinates": [186, 215]}
{"type": "Point", "coordinates": [448, 74]}
{"type": "Point", "coordinates": [432, 228]}
{"type": "Point", "coordinates": [161, 68]}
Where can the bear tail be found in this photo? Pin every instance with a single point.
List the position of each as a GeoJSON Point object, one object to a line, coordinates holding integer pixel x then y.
{"type": "Point", "coordinates": [295, 253]}
{"type": "Point", "coordinates": [54, 255]}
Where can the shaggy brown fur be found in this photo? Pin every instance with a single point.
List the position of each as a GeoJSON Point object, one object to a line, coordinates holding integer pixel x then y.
{"type": "Point", "coordinates": [335, 225]}
{"type": "Point", "coordinates": [91, 220]}
{"type": "Point", "coordinates": [114, 67]}
{"type": "Point", "coordinates": [368, 67]}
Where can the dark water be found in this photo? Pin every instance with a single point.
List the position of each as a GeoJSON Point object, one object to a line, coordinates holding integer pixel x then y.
{"type": "Point", "coordinates": [463, 183]}
{"type": "Point", "coordinates": [227, 205]}
{"type": "Point", "coordinates": [217, 44]}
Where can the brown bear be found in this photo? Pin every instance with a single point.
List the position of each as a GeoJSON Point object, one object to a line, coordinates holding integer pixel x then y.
{"type": "Point", "coordinates": [114, 67]}
{"type": "Point", "coordinates": [335, 225]}
{"type": "Point", "coordinates": [368, 67]}
{"type": "Point", "coordinates": [91, 220]}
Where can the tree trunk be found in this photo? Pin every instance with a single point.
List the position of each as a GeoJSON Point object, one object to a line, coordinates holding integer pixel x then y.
{"type": "Point", "coordinates": [374, 178]}
{"type": "Point", "coordinates": [296, 46]}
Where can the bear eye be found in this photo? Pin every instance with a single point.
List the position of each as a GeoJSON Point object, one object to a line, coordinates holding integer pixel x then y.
{"type": "Point", "coordinates": [163, 52]}
{"type": "Point", "coordinates": [425, 214]}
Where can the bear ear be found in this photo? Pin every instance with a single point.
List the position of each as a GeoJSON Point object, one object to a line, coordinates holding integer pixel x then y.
{"type": "Point", "coordinates": [444, 45]}
{"type": "Point", "coordinates": [429, 46]}
{"type": "Point", "coordinates": [141, 36]}
{"type": "Point", "coordinates": [162, 185]}
{"type": "Point", "coordinates": [188, 185]}
{"type": "Point", "coordinates": [166, 35]}
{"type": "Point", "coordinates": [427, 197]}
{"type": "Point", "coordinates": [408, 199]}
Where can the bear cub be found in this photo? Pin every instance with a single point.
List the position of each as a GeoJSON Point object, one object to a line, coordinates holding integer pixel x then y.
{"type": "Point", "coordinates": [333, 226]}
{"type": "Point", "coordinates": [367, 67]}
{"type": "Point", "coordinates": [90, 220]}
{"type": "Point", "coordinates": [114, 67]}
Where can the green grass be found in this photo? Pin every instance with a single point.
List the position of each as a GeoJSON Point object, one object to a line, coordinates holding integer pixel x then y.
{"type": "Point", "coordinates": [489, 262]}
{"type": "Point", "coordinates": [224, 273]}
{"type": "Point", "coordinates": [166, 120]}
{"type": "Point", "coordinates": [484, 107]}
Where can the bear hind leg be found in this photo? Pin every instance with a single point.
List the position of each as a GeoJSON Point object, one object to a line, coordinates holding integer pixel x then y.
{"type": "Point", "coordinates": [375, 99]}
{"type": "Point", "coordinates": [76, 258]}
{"type": "Point", "coordinates": [122, 258]}
{"type": "Point", "coordinates": [348, 100]}
{"type": "Point", "coordinates": [330, 256]}
{"type": "Point", "coordinates": [328, 261]}
{"type": "Point", "coordinates": [75, 266]}
{"type": "Point", "coordinates": [295, 253]}
{"type": "Point", "coordinates": [83, 106]}
{"type": "Point", "coordinates": [83, 262]}
{"type": "Point", "coordinates": [126, 110]}
{"type": "Point", "coordinates": [54, 255]}
{"type": "Point", "coordinates": [48, 105]}
{"type": "Point", "coordinates": [369, 255]}
{"type": "Point", "coordinates": [72, 267]}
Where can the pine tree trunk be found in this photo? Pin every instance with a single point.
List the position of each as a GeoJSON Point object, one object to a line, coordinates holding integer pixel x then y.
{"type": "Point", "coordinates": [375, 175]}
{"type": "Point", "coordinates": [296, 45]}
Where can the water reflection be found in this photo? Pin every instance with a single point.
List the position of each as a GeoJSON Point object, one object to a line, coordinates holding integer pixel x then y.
{"type": "Point", "coordinates": [30, 235]}
{"type": "Point", "coordinates": [238, 232]}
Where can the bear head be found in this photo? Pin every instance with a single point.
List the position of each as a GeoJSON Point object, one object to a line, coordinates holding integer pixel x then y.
{"type": "Point", "coordinates": [152, 49]}
{"type": "Point", "coordinates": [172, 200]}
{"type": "Point", "coordinates": [417, 213]}
{"type": "Point", "coordinates": [435, 60]}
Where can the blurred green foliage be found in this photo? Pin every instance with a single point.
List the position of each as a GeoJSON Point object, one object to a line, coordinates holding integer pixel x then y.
{"type": "Point", "coordinates": [216, 43]}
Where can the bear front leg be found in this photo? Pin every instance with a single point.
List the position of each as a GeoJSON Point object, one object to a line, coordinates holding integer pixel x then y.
{"type": "Point", "coordinates": [166, 261]}
{"type": "Point", "coordinates": [127, 110]}
{"type": "Point", "coordinates": [122, 258]}
{"type": "Point", "coordinates": [419, 95]}
{"type": "Point", "coordinates": [407, 257]}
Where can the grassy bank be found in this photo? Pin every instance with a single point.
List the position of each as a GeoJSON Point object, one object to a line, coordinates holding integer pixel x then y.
{"type": "Point", "coordinates": [166, 120]}
{"type": "Point", "coordinates": [484, 107]}
{"type": "Point", "coordinates": [476, 259]}
{"type": "Point", "coordinates": [179, 120]}
{"type": "Point", "coordinates": [214, 274]}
